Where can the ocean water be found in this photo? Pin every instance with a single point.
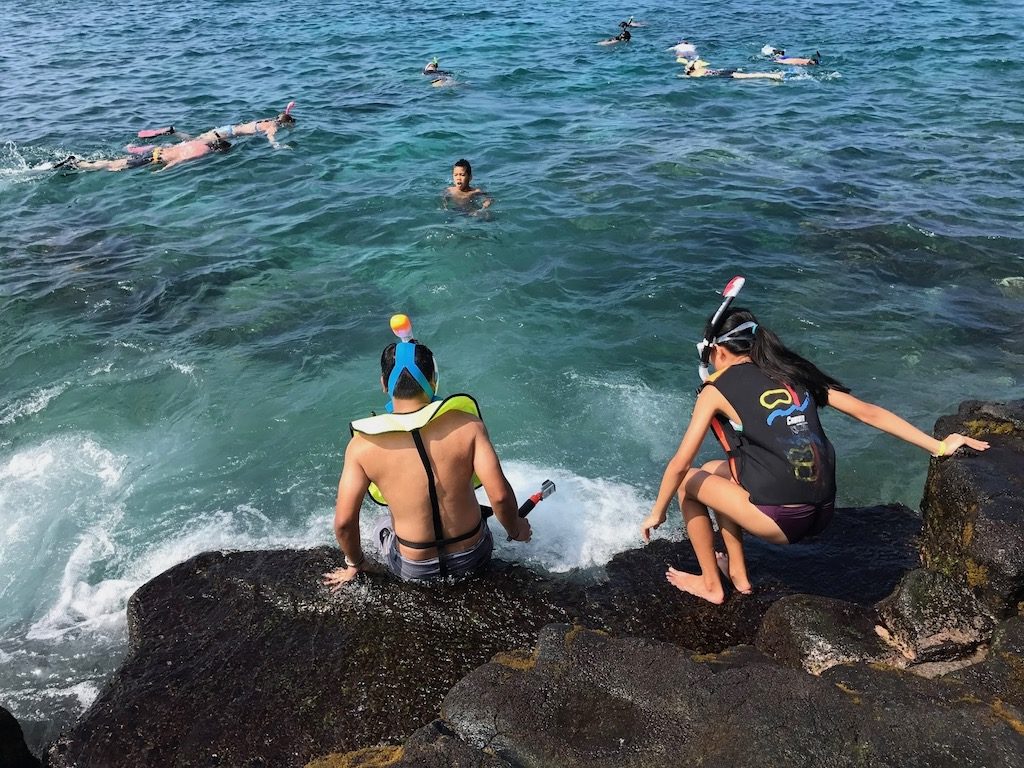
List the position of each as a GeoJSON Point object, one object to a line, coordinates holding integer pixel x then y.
{"type": "Point", "coordinates": [182, 351]}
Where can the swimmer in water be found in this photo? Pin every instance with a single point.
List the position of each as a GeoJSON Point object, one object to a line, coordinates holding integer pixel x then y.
{"type": "Point", "coordinates": [699, 68]}
{"type": "Point", "coordinates": [438, 76]}
{"type": "Point", "coordinates": [268, 127]}
{"type": "Point", "coordinates": [622, 37]}
{"type": "Point", "coordinates": [778, 56]}
{"type": "Point", "coordinates": [684, 51]}
{"type": "Point", "coordinates": [163, 156]}
{"type": "Point", "coordinates": [462, 194]}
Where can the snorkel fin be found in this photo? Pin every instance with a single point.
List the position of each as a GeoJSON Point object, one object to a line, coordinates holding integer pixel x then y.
{"type": "Point", "coordinates": [405, 360]}
{"type": "Point", "coordinates": [731, 290]}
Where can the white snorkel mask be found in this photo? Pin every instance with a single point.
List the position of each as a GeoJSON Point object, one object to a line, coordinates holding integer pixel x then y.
{"type": "Point", "coordinates": [731, 290]}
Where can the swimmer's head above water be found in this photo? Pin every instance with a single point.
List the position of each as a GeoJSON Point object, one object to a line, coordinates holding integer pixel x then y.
{"type": "Point", "coordinates": [285, 118]}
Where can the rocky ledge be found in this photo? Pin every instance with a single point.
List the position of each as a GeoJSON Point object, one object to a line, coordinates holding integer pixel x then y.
{"type": "Point", "coordinates": [846, 654]}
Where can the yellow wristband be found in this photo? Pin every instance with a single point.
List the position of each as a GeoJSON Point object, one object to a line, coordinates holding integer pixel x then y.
{"type": "Point", "coordinates": [942, 449]}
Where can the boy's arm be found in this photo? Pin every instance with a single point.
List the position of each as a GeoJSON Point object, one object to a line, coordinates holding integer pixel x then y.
{"type": "Point", "coordinates": [496, 485]}
{"type": "Point", "coordinates": [351, 488]}
{"type": "Point", "coordinates": [487, 199]}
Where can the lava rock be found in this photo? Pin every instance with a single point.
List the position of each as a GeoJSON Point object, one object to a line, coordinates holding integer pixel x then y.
{"type": "Point", "coordinates": [817, 633]}
{"type": "Point", "coordinates": [13, 750]}
{"type": "Point", "coordinates": [974, 507]}
{"type": "Point", "coordinates": [931, 617]}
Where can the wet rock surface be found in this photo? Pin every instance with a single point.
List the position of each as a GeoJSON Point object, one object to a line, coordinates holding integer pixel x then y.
{"type": "Point", "coordinates": [244, 659]}
{"type": "Point", "coordinates": [932, 617]}
{"type": "Point", "coordinates": [586, 699]}
{"type": "Point", "coordinates": [815, 633]}
{"type": "Point", "coordinates": [974, 509]}
{"type": "Point", "coordinates": [274, 670]}
{"type": "Point", "coordinates": [13, 750]}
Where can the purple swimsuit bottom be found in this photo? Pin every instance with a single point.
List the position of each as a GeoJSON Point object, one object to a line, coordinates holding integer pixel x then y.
{"type": "Point", "coordinates": [802, 520]}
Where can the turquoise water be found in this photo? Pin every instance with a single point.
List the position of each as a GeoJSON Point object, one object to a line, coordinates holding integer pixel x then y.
{"type": "Point", "coordinates": [182, 351]}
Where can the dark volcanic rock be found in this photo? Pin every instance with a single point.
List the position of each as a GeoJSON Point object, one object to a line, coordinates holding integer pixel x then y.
{"type": "Point", "coordinates": [932, 617]}
{"type": "Point", "coordinates": [861, 557]}
{"type": "Point", "coordinates": [245, 659]}
{"type": "Point", "coordinates": [974, 508]}
{"type": "Point", "coordinates": [816, 633]}
{"type": "Point", "coordinates": [13, 751]}
{"type": "Point", "coordinates": [432, 746]}
{"type": "Point", "coordinates": [585, 699]}
{"type": "Point", "coordinates": [1002, 672]}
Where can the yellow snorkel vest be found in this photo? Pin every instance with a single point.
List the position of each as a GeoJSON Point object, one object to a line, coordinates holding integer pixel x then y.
{"type": "Point", "coordinates": [408, 422]}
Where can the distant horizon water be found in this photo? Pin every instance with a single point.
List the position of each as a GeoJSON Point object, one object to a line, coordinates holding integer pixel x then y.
{"type": "Point", "coordinates": [183, 350]}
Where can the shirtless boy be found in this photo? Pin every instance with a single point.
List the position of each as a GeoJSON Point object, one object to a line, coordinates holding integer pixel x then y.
{"type": "Point", "coordinates": [421, 458]}
{"type": "Point", "coordinates": [462, 192]}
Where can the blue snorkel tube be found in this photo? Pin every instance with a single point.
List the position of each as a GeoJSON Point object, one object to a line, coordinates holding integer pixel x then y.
{"type": "Point", "coordinates": [730, 292]}
{"type": "Point", "coordinates": [405, 360]}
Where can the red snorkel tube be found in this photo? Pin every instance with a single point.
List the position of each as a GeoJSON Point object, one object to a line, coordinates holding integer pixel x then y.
{"type": "Point", "coordinates": [731, 290]}
{"type": "Point", "coordinates": [546, 489]}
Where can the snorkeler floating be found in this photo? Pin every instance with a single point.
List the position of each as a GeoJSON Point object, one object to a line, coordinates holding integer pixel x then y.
{"type": "Point", "coordinates": [438, 76]}
{"type": "Point", "coordinates": [140, 156]}
{"type": "Point", "coordinates": [623, 37]}
{"type": "Point", "coordinates": [699, 68]}
{"type": "Point", "coordinates": [778, 481]}
{"type": "Point", "coordinates": [778, 56]}
{"type": "Point", "coordinates": [268, 126]}
{"type": "Point", "coordinates": [215, 140]}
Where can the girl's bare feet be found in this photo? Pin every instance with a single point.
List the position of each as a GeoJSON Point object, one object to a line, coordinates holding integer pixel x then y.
{"type": "Point", "coordinates": [695, 585]}
{"type": "Point", "coordinates": [741, 585]}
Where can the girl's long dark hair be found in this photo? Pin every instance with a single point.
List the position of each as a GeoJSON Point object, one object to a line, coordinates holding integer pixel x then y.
{"type": "Point", "coordinates": [769, 354]}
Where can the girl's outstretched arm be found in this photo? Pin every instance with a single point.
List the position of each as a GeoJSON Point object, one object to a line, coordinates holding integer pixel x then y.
{"type": "Point", "coordinates": [703, 411]}
{"type": "Point", "coordinates": [887, 421]}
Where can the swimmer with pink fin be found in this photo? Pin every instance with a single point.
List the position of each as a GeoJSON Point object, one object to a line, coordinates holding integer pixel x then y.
{"type": "Point", "coordinates": [215, 140]}
{"type": "Point", "coordinates": [267, 126]}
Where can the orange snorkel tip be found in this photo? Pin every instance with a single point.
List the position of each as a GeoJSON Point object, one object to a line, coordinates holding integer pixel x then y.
{"type": "Point", "coordinates": [401, 326]}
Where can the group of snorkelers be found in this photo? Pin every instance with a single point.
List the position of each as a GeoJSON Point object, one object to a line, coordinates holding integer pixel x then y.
{"type": "Point", "coordinates": [695, 66]}
{"type": "Point", "coordinates": [777, 481]}
{"type": "Point", "coordinates": [188, 148]}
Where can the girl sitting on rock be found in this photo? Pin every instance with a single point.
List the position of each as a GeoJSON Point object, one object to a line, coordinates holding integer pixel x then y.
{"type": "Point", "coordinates": [778, 480]}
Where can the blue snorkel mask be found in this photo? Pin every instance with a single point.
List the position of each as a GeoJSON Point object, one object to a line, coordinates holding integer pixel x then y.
{"type": "Point", "coordinates": [405, 361]}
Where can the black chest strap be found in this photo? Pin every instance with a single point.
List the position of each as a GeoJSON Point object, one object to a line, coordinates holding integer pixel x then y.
{"type": "Point", "coordinates": [435, 507]}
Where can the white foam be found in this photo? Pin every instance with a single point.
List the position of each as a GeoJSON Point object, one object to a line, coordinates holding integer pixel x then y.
{"type": "Point", "coordinates": [185, 368]}
{"type": "Point", "coordinates": [584, 524]}
{"type": "Point", "coordinates": [99, 609]}
{"type": "Point", "coordinates": [34, 403]}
